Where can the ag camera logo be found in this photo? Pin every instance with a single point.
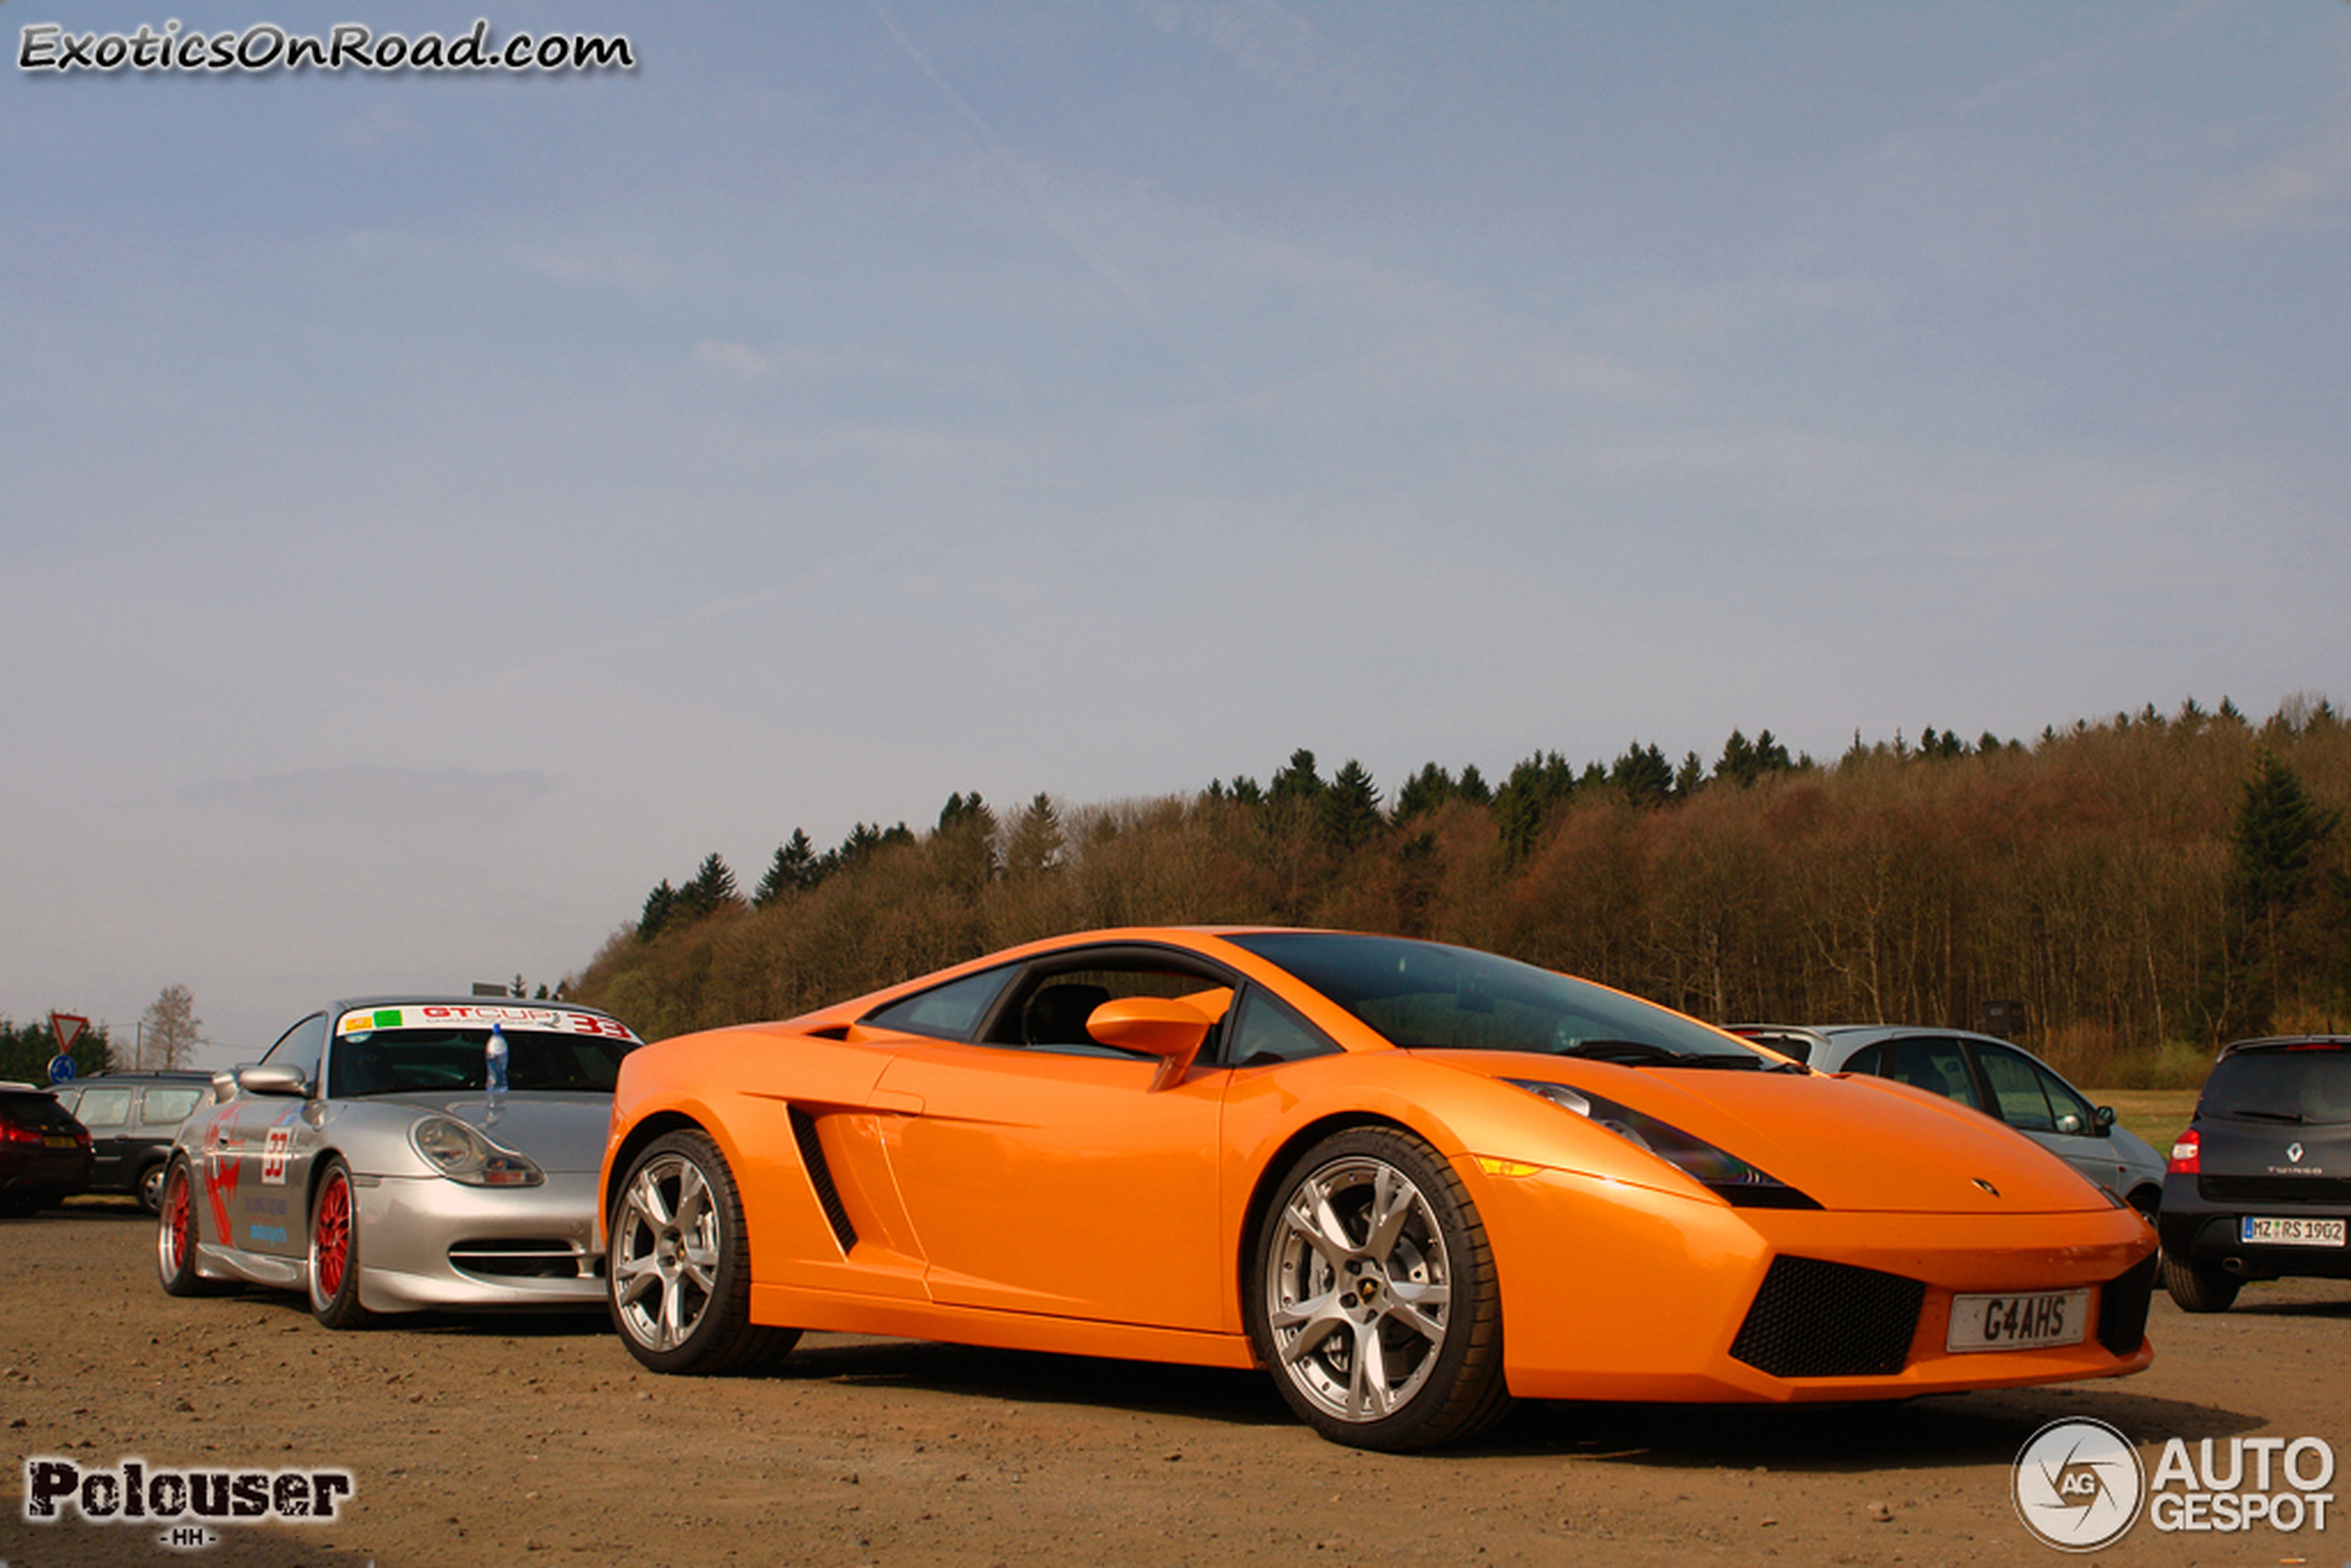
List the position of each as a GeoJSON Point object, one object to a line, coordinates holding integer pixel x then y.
{"type": "Point", "coordinates": [2077, 1485]}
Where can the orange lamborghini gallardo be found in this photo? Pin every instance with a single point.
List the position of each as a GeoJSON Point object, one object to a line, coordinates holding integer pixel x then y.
{"type": "Point", "coordinates": [1411, 1181]}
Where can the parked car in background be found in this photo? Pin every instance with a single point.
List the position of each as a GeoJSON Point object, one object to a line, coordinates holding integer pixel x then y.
{"type": "Point", "coordinates": [2003, 1081]}
{"type": "Point", "coordinates": [2260, 1184]}
{"type": "Point", "coordinates": [133, 1119]}
{"type": "Point", "coordinates": [44, 1154]}
{"type": "Point", "coordinates": [395, 1153]}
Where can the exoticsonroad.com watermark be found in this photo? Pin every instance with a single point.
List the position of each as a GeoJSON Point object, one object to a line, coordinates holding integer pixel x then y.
{"type": "Point", "coordinates": [266, 46]}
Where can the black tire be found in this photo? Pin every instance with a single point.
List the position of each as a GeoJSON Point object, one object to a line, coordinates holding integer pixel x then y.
{"type": "Point", "coordinates": [2199, 1290]}
{"type": "Point", "coordinates": [179, 1227]}
{"type": "Point", "coordinates": [677, 1278]}
{"type": "Point", "coordinates": [21, 1205]}
{"type": "Point", "coordinates": [2148, 1201]}
{"type": "Point", "coordinates": [149, 1186]}
{"type": "Point", "coordinates": [1409, 1277]}
{"type": "Point", "coordinates": [334, 1249]}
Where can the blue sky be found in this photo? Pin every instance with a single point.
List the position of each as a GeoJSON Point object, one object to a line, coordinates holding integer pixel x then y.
{"type": "Point", "coordinates": [440, 507]}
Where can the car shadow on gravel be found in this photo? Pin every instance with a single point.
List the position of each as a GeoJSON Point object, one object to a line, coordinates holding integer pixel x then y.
{"type": "Point", "coordinates": [1942, 1431]}
{"type": "Point", "coordinates": [1245, 1398]}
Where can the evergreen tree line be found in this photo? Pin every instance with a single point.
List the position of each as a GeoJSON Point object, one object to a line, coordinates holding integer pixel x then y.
{"type": "Point", "coordinates": [2151, 879]}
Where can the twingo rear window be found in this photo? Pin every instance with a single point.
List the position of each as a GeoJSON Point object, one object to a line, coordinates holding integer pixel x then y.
{"type": "Point", "coordinates": [2281, 1084]}
{"type": "Point", "coordinates": [1428, 996]}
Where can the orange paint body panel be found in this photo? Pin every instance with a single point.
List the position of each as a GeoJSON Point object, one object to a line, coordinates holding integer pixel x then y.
{"type": "Point", "coordinates": [1097, 1202]}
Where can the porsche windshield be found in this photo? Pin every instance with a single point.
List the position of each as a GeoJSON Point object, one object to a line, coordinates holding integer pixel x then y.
{"type": "Point", "coordinates": [451, 1061]}
{"type": "Point", "coordinates": [1427, 996]}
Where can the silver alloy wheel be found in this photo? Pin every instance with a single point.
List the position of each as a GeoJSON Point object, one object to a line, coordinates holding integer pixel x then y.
{"type": "Point", "coordinates": [665, 1252]}
{"type": "Point", "coordinates": [1358, 1288]}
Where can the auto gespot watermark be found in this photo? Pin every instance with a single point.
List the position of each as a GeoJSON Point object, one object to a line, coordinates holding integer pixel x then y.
{"type": "Point", "coordinates": [266, 46]}
{"type": "Point", "coordinates": [2080, 1486]}
{"type": "Point", "coordinates": [184, 1504]}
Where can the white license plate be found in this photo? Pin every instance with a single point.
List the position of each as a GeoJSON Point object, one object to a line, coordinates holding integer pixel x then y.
{"type": "Point", "coordinates": [2290, 1232]}
{"type": "Point", "coordinates": [2019, 1322]}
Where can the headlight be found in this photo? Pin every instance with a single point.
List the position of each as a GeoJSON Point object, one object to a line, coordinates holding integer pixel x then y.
{"type": "Point", "coordinates": [1717, 1170]}
{"type": "Point", "coordinates": [460, 1153]}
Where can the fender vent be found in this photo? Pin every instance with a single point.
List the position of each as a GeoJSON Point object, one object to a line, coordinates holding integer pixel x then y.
{"type": "Point", "coordinates": [820, 1177]}
{"type": "Point", "coordinates": [1818, 1319]}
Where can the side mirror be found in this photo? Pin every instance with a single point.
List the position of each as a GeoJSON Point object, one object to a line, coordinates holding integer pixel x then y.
{"type": "Point", "coordinates": [1172, 1031]}
{"type": "Point", "coordinates": [2106, 1119]}
{"type": "Point", "coordinates": [274, 1078]}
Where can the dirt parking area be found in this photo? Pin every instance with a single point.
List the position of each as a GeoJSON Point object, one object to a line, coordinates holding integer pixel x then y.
{"type": "Point", "coordinates": [538, 1440]}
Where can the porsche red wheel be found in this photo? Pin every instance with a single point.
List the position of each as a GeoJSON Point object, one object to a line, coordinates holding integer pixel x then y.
{"type": "Point", "coordinates": [1374, 1300]}
{"type": "Point", "coordinates": [334, 1250]}
{"type": "Point", "coordinates": [176, 1236]}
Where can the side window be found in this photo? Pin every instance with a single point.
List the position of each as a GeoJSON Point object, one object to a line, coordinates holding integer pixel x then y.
{"type": "Point", "coordinates": [2016, 1087]}
{"type": "Point", "coordinates": [950, 1012]}
{"type": "Point", "coordinates": [1049, 1010]}
{"type": "Point", "coordinates": [2074, 1113]}
{"type": "Point", "coordinates": [1939, 1066]}
{"type": "Point", "coordinates": [1264, 1031]}
{"type": "Point", "coordinates": [302, 1046]}
{"type": "Point", "coordinates": [1866, 1060]}
{"type": "Point", "coordinates": [158, 1107]}
{"type": "Point", "coordinates": [105, 1108]}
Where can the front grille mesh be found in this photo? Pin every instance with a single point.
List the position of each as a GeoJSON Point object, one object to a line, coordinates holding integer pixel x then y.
{"type": "Point", "coordinates": [1819, 1319]}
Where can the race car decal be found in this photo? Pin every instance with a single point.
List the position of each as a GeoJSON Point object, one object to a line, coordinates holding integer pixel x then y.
{"type": "Point", "coordinates": [219, 1168]}
{"type": "Point", "coordinates": [274, 1150]}
{"type": "Point", "coordinates": [555, 1020]}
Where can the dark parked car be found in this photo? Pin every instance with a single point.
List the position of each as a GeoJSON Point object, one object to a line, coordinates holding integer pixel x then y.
{"type": "Point", "coordinates": [2260, 1185]}
{"type": "Point", "coordinates": [44, 1154]}
{"type": "Point", "coordinates": [133, 1119]}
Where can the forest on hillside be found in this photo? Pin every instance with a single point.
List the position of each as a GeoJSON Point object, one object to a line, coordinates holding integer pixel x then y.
{"type": "Point", "coordinates": [2145, 887]}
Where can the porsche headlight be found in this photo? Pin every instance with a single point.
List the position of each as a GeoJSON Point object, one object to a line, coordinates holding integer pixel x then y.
{"type": "Point", "coordinates": [463, 1155]}
{"type": "Point", "coordinates": [1717, 1170]}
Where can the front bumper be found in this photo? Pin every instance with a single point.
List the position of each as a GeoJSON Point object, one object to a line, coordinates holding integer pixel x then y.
{"type": "Point", "coordinates": [1636, 1294]}
{"type": "Point", "coordinates": [427, 1241]}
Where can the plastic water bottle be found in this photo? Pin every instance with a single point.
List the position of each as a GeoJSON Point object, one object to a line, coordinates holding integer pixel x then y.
{"type": "Point", "coordinates": [494, 1065]}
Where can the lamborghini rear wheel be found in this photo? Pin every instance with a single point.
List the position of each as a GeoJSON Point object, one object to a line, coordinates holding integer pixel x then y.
{"type": "Point", "coordinates": [679, 1278]}
{"type": "Point", "coordinates": [1373, 1296]}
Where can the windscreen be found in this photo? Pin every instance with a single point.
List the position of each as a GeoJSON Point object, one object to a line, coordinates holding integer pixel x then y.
{"type": "Point", "coordinates": [2290, 1084]}
{"type": "Point", "coordinates": [1428, 996]}
{"type": "Point", "coordinates": [449, 1061]}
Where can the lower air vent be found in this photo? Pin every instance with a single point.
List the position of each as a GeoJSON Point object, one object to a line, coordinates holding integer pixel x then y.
{"type": "Point", "coordinates": [2123, 1308]}
{"type": "Point", "coordinates": [1817, 1319]}
{"type": "Point", "coordinates": [522, 1257]}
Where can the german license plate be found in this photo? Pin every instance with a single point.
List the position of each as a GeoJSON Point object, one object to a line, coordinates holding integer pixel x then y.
{"type": "Point", "coordinates": [55, 1142]}
{"type": "Point", "coordinates": [2019, 1322]}
{"type": "Point", "coordinates": [2290, 1232]}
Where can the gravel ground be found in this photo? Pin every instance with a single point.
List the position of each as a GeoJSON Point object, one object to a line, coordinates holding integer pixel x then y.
{"type": "Point", "coordinates": [525, 1440]}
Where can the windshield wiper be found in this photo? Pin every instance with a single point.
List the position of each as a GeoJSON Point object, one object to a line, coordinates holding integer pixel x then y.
{"type": "Point", "coordinates": [1642, 1052]}
{"type": "Point", "coordinates": [2251, 1114]}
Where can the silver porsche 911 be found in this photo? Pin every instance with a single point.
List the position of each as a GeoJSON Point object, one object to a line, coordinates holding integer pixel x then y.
{"type": "Point", "coordinates": [391, 1154]}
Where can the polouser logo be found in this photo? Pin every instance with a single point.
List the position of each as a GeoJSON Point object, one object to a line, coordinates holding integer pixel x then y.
{"type": "Point", "coordinates": [2077, 1485]}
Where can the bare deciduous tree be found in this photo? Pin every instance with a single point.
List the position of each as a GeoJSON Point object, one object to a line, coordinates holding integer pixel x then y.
{"type": "Point", "coordinates": [168, 1029]}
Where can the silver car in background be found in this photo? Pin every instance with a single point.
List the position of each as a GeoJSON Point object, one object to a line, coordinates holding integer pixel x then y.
{"type": "Point", "coordinates": [2004, 1082]}
{"type": "Point", "coordinates": [374, 1159]}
